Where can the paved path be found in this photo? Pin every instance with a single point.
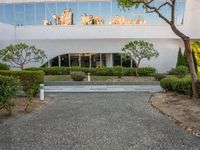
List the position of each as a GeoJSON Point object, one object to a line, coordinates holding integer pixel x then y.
{"type": "Point", "coordinates": [96, 121]}
{"type": "Point", "coordinates": [103, 88]}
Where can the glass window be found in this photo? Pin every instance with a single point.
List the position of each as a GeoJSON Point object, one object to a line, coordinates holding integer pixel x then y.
{"type": "Point", "coordinates": [116, 10]}
{"type": "Point", "coordinates": [126, 62]}
{"type": "Point", "coordinates": [94, 8]}
{"type": "Point", "coordinates": [9, 14]}
{"type": "Point", "coordinates": [40, 13]}
{"type": "Point", "coordinates": [95, 60]}
{"type": "Point", "coordinates": [50, 10]}
{"type": "Point", "coordinates": [64, 60]}
{"type": "Point", "coordinates": [103, 60]}
{"type": "Point", "coordinates": [54, 62]}
{"type": "Point", "coordinates": [85, 60]}
{"type": "Point", "coordinates": [180, 7]}
{"type": "Point", "coordinates": [61, 7]}
{"type": "Point", "coordinates": [29, 14]}
{"type": "Point", "coordinates": [1, 13]}
{"type": "Point", "coordinates": [74, 60]}
{"type": "Point", "coordinates": [74, 7]}
{"type": "Point", "coordinates": [116, 59]}
{"type": "Point", "coordinates": [19, 14]}
{"type": "Point", "coordinates": [106, 11]}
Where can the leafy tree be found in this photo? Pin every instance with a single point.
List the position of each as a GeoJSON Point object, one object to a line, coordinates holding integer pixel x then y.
{"type": "Point", "coordinates": [149, 6]}
{"type": "Point", "coordinates": [195, 46]}
{"type": "Point", "coordinates": [21, 54]}
{"type": "Point", "coordinates": [138, 50]}
{"type": "Point", "coordinates": [181, 60]}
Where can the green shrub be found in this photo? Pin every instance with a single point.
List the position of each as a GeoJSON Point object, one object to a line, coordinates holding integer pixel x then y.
{"type": "Point", "coordinates": [4, 67]}
{"type": "Point", "coordinates": [183, 86]}
{"type": "Point", "coordinates": [9, 87]}
{"type": "Point", "coordinates": [167, 83]}
{"type": "Point", "coordinates": [30, 80]}
{"type": "Point", "coordinates": [180, 71]}
{"type": "Point", "coordinates": [146, 71]}
{"type": "Point", "coordinates": [118, 71]}
{"type": "Point", "coordinates": [77, 75]}
{"type": "Point", "coordinates": [159, 76]}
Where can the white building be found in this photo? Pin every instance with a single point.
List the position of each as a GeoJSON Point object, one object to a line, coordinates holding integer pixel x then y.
{"type": "Point", "coordinates": [96, 43]}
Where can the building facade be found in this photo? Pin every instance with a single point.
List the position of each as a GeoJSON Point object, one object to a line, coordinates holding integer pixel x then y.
{"type": "Point", "coordinates": [91, 33]}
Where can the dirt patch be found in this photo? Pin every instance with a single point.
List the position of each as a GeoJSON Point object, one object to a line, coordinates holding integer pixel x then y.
{"type": "Point", "coordinates": [18, 109]}
{"type": "Point", "coordinates": [179, 108]}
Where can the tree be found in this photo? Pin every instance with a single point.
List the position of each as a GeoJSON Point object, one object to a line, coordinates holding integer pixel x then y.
{"type": "Point", "coordinates": [21, 54]}
{"type": "Point", "coordinates": [181, 60]}
{"type": "Point", "coordinates": [195, 46]}
{"type": "Point", "coordinates": [149, 6]}
{"type": "Point", "coordinates": [138, 50]}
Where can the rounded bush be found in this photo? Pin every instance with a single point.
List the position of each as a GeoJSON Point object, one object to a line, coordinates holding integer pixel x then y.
{"type": "Point", "coordinates": [168, 83]}
{"type": "Point", "coordinates": [9, 87]}
{"type": "Point", "coordinates": [78, 75]}
{"type": "Point", "coordinates": [4, 67]}
{"type": "Point", "coordinates": [159, 76]}
{"type": "Point", "coordinates": [180, 71]}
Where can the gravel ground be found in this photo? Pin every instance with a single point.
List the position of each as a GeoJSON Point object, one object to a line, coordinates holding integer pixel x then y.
{"type": "Point", "coordinates": [96, 121]}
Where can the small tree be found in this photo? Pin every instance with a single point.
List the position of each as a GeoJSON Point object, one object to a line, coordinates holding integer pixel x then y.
{"type": "Point", "coordinates": [21, 54]}
{"type": "Point", "coordinates": [138, 50]}
{"type": "Point", "coordinates": [181, 60]}
{"type": "Point", "coordinates": [149, 6]}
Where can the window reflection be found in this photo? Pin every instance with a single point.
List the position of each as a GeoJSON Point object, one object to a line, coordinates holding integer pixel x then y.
{"type": "Point", "coordinates": [83, 13]}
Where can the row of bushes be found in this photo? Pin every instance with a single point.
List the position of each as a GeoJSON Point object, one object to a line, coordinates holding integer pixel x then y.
{"type": "Point", "coordinates": [30, 80]}
{"type": "Point", "coordinates": [9, 87]}
{"type": "Point", "coordinates": [4, 67]}
{"type": "Point", "coordinates": [180, 85]}
{"type": "Point", "coordinates": [11, 81]}
{"type": "Point", "coordinates": [114, 71]}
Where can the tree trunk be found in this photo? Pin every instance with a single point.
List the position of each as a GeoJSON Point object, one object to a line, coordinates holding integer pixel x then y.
{"type": "Point", "coordinates": [191, 67]}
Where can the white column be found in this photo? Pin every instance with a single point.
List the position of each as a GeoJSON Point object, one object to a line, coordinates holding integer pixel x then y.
{"type": "Point", "coordinates": [109, 60]}
{"type": "Point", "coordinates": [59, 61]}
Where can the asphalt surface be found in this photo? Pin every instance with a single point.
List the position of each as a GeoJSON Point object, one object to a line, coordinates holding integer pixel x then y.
{"type": "Point", "coordinates": [96, 121]}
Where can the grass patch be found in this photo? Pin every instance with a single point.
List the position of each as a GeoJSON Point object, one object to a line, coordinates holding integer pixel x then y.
{"type": "Point", "coordinates": [68, 78]}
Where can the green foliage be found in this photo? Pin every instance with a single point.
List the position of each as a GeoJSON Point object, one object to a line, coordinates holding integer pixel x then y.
{"type": "Point", "coordinates": [180, 71]}
{"type": "Point", "coordinates": [181, 60]}
{"type": "Point", "coordinates": [4, 67]}
{"type": "Point", "coordinates": [77, 75]}
{"type": "Point", "coordinates": [159, 76]}
{"type": "Point", "coordinates": [167, 83]}
{"type": "Point", "coordinates": [30, 80]}
{"type": "Point", "coordinates": [180, 85]}
{"type": "Point", "coordinates": [118, 71]}
{"type": "Point", "coordinates": [9, 87]}
{"type": "Point", "coordinates": [138, 50]}
{"type": "Point", "coordinates": [145, 71]}
{"type": "Point", "coordinates": [183, 86]}
{"type": "Point", "coordinates": [21, 54]}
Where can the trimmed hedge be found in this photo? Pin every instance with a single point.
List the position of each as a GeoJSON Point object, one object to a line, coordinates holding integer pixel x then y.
{"type": "Point", "coordinates": [30, 80]}
{"type": "Point", "coordinates": [146, 71]}
{"type": "Point", "coordinates": [183, 85]}
{"type": "Point", "coordinates": [77, 75]}
{"type": "Point", "coordinates": [180, 71]}
{"type": "Point", "coordinates": [159, 76]}
{"type": "Point", "coordinates": [4, 67]}
{"type": "Point", "coordinates": [9, 87]}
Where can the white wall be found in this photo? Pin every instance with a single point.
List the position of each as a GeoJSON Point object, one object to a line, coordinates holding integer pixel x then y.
{"type": "Point", "coordinates": [57, 40]}
{"type": "Point", "coordinates": [7, 35]}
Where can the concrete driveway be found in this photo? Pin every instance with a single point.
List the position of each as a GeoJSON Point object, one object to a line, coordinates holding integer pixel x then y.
{"type": "Point", "coordinates": [96, 121]}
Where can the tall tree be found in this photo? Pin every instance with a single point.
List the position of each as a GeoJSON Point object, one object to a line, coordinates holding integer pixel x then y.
{"type": "Point", "coordinates": [149, 6]}
{"type": "Point", "coordinates": [21, 54]}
